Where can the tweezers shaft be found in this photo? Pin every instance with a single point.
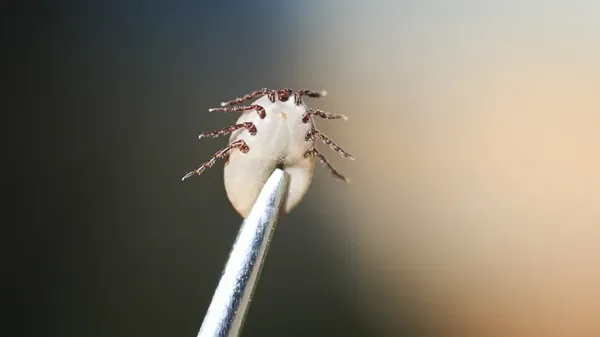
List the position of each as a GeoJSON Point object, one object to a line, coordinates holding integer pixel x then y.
{"type": "Point", "coordinates": [229, 306]}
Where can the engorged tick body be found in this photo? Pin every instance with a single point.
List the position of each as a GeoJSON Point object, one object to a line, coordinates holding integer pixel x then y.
{"type": "Point", "coordinates": [276, 130]}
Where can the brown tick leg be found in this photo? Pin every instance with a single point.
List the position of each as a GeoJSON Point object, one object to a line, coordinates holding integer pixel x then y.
{"type": "Point", "coordinates": [322, 114]}
{"type": "Point", "coordinates": [315, 153]}
{"type": "Point", "coordinates": [304, 92]}
{"type": "Point", "coordinates": [252, 95]}
{"type": "Point", "coordinates": [314, 132]}
{"type": "Point", "coordinates": [242, 108]}
{"type": "Point", "coordinates": [238, 144]}
{"type": "Point", "coordinates": [246, 125]}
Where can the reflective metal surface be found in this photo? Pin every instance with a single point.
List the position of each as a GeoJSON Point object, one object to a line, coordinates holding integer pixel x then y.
{"type": "Point", "coordinates": [229, 305]}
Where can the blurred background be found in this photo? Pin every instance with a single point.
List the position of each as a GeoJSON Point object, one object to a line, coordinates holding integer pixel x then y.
{"type": "Point", "coordinates": [474, 208]}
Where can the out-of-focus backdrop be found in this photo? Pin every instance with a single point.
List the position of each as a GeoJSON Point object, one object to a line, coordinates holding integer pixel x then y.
{"type": "Point", "coordinates": [474, 208]}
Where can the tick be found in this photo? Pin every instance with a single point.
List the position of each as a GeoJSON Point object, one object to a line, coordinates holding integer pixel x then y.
{"type": "Point", "coordinates": [276, 130]}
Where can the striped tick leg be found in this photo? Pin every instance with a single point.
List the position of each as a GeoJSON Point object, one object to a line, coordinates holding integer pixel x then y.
{"type": "Point", "coordinates": [243, 108]}
{"type": "Point", "coordinates": [322, 114]}
{"type": "Point", "coordinates": [238, 144]}
{"type": "Point", "coordinates": [315, 153]}
{"type": "Point", "coordinates": [257, 93]}
{"type": "Point", "coordinates": [314, 132]}
{"type": "Point", "coordinates": [304, 92]}
{"type": "Point", "coordinates": [246, 125]}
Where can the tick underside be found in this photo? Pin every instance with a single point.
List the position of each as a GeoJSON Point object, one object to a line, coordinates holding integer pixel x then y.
{"type": "Point", "coordinates": [283, 95]}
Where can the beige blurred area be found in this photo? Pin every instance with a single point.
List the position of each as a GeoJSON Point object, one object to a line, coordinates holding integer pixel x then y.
{"type": "Point", "coordinates": [476, 189]}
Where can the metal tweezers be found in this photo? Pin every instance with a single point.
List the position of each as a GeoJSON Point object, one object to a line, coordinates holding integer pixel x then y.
{"type": "Point", "coordinates": [229, 305]}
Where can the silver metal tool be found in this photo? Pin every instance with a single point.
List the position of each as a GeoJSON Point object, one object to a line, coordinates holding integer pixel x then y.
{"type": "Point", "coordinates": [229, 306]}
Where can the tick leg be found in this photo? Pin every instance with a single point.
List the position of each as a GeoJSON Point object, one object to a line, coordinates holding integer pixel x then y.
{"type": "Point", "coordinates": [322, 114]}
{"type": "Point", "coordinates": [242, 108]}
{"type": "Point", "coordinates": [314, 132]}
{"type": "Point", "coordinates": [304, 92]}
{"type": "Point", "coordinates": [246, 125]}
{"type": "Point", "coordinates": [238, 144]}
{"type": "Point", "coordinates": [315, 153]}
{"type": "Point", "coordinates": [252, 95]}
